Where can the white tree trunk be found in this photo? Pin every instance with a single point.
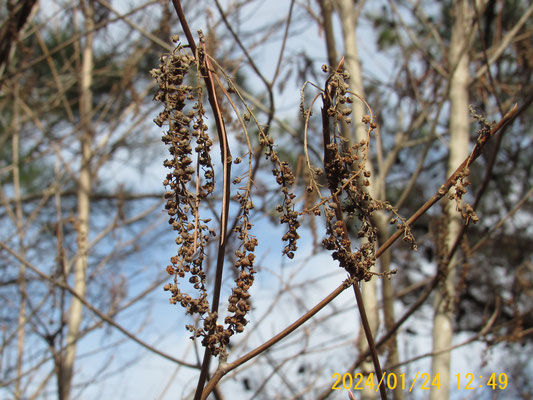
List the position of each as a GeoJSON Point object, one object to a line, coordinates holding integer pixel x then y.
{"type": "Point", "coordinates": [459, 150]}
{"type": "Point", "coordinates": [84, 189]}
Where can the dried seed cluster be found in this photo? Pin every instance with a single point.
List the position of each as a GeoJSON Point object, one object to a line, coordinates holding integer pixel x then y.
{"type": "Point", "coordinates": [285, 178]}
{"type": "Point", "coordinates": [348, 179]}
{"type": "Point", "coordinates": [186, 128]}
{"type": "Point", "coordinates": [462, 181]}
{"type": "Point", "coordinates": [239, 300]}
{"type": "Point", "coordinates": [459, 190]}
{"type": "Point", "coordinates": [190, 183]}
{"type": "Point", "coordinates": [484, 125]}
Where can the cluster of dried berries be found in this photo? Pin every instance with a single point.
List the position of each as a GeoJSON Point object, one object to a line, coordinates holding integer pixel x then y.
{"type": "Point", "coordinates": [239, 300]}
{"type": "Point", "coordinates": [184, 114]}
{"type": "Point", "coordinates": [462, 181]}
{"type": "Point", "coordinates": [184, 195]}
{"type": "Point", "coordinates": [355, 204]}
{"type": "Point", "coordinates": [485, 126]}
{"type": "Point", "coordinates": [347, 177]}
{"type": "Point", "coordinates": [285, 178]}
{"type": "Point", "coordinates": [348, 180]}
{"type": "Point", "coordinates": [215, 336]}
{"type": "Point", "coordinates": [459, 190]}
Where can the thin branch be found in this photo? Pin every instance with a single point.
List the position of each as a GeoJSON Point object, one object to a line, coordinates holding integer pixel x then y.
{"type": "Point", "coordinates": [504, 43]}
{"type": "Point", "coordinates": [240, 44]}
{"type": "Point", "coordinates": [283, 43]}
{"type": "Point", "coordinates": [135, 26]}
{"type": "Point", "coordinates": [94, 310]}
{"type": "Point", "coordinates": [480, 334]}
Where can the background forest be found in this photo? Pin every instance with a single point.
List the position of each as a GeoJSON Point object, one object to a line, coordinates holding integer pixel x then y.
{"type": "Point", "coordinates": [330, 187]}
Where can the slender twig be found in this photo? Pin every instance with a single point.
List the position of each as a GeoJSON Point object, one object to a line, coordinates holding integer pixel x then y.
{"type": "Point", "coordinates": [241, 45]}
{"type": "Point", "coordinates": [498, 225]}
{"type": "Point", "coordinates": [504, 44]}
{"type": "Point", "coordinates": [268, 86]}
{"type": "Point", "coordinates": [492, 159]}
{"type": "Point", "coordinates": [284, 42]}
{"type": "Point", "coordinates": [223, 370]}
{"type": "Point", "coordinates": [483, 332]}
{"type": "Point", "coordinates": [486, 58]}
{"type": "Point", "coordinates": [135, 26]}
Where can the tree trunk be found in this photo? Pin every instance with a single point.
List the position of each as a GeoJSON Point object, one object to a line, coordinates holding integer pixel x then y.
{"type": "Point", "coordinates": [326, 8]}
{"type": "Point", "coordinates": [22, 251]}
{"type": "Point", "coordinates": [459, 149]}
{"type": "Point", "coordinates": [393, 357]}
{"type": "Point", "coordinates": [84, 189]}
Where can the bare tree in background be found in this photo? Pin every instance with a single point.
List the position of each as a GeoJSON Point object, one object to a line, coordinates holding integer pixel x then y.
{"type": "Point", "coordinates": [66, 366]}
